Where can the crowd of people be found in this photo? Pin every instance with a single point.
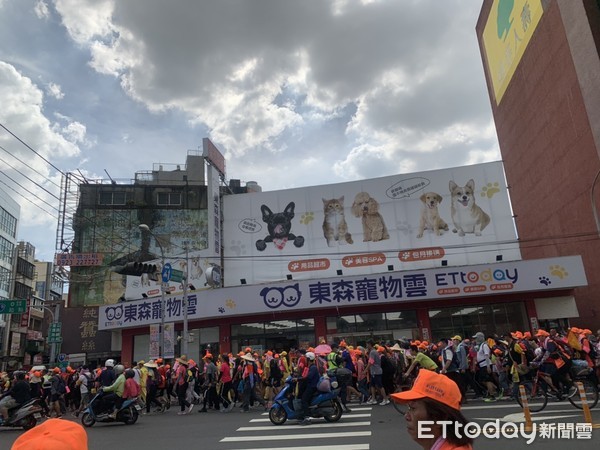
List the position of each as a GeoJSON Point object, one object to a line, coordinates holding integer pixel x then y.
{"type": "Point", "coordinates": [491, 366]}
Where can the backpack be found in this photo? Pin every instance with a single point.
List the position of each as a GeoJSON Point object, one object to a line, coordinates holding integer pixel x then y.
{"type": "Point", "coordinates": [61, 388]}
{"type": "Point", "coordinates": [88, 381]}
{"type": "Point", "coordinates": [528, 350]}
{"type": "Point", "coordinates": [455, 364]}
{"type": "Point", "coordinates": [275, 370]}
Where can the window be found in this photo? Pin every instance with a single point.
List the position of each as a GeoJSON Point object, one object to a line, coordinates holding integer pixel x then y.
{"type": "Point", "coordinates": [4, 279]}
{"type": "Point", "coordinates": [467, 320]}
{"type": "Point", "coordinates": [169, 199]}
{"type": "Point", "coordinates": [6, 250]}
{"type": "Point", "coordinates": [8, 222]}
{"type": "Point", "coordinates": [113, 198]}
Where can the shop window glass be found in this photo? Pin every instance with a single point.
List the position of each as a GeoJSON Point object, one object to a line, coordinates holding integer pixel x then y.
{"type": "Point", "coordinates": [342, 324]}
{"type": "Point", "coordinates": [248, 329]}
{"type": "Point", "coordinates": [370, 322]}
{"type": "Point", "coordinates": [468, 320]}
{"type": "Point", "coordinates": [401, 320]}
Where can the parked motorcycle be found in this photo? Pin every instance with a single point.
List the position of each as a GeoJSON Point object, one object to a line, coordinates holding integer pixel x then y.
{"type": "Point", "coordinates": [26, 415]}
{"type": "Point", "coordinates": [100, 411]}
{"type": "Point", "coordinates": [324, 404]}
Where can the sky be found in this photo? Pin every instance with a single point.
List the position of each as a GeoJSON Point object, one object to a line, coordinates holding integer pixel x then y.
{"type": "Point", "coordinates": [293, 93]}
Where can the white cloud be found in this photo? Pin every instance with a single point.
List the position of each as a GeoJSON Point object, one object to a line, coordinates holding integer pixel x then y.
{"type": "Point", "coordinates": [54, 90]}
{"type": "Point", "coordinates": [41, 9]}
{"type": "Point", "coordinates": [294, 92]}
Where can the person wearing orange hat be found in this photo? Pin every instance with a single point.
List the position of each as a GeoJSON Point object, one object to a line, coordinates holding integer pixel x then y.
{"type": "Point", "coordinates": [421, 359]}
{"type": "Point", "coordinates": [226, 394]}
{"type": "Point", "coordinates": [435, 398]}
{"type": "Point", "coordinates": [53, 434]}
{"type": "Point", "coordinates": [376, 372]}
{"type": "Point", "coordinates": [556, 362]}
{"type": "Point", "coordinates": [210, 383]}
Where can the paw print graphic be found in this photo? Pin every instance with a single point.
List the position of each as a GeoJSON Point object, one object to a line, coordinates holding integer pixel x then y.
{"type": "Point", "coordinates": [230, 303]}
{"type": "Point", "coordinates": [558, 271]}
{"type": "Point", "coordinates": [490, 190]}
{"type": "Point", "coordinates": [307, 218]}
{"type": "Point", "coordinates": [221, 309]}
{"type": "Point", "coordinates": [545, 281]}
{"type": "Point", "coordinates": [238, 248]}
{"type": "Point", "coordinates": [294, 266]}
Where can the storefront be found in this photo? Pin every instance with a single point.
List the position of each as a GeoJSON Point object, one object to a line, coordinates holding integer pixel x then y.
{"type": "Point", "coordinates": [428, 304]}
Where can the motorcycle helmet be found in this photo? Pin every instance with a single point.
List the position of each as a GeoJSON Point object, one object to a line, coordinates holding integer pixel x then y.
{"type": "Point", "coordinates": [310, 356]}
{"type": "Point", "coordinates": [110, 363]}
{"type": "Point", "coordinates": [119, 369]}
{"type": "Point", "coordinates": [129, 373]}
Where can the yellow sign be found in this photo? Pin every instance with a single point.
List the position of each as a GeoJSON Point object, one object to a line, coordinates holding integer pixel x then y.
{"type": "Point", "coordinates": [508, 30]}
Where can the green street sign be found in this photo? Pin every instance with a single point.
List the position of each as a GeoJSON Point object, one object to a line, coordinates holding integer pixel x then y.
{"type": "Point", "coordinates": [176, 275]}
{"type": "Point", "coordinates": [14, 306]}
{"type": "Point", "coordinates": [54, 333]}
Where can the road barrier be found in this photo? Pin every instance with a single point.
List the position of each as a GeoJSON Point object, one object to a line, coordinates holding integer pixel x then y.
{"type": "Point", "coordinates": [587, 414]}
{"type": "Point", "coordinates": [526, 411]}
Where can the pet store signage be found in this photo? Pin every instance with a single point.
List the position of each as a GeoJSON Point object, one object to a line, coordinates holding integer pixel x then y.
{"type": "Point", "coordinates": [402, 222]}
{"type": "Point", "coordinates": [385, 288]}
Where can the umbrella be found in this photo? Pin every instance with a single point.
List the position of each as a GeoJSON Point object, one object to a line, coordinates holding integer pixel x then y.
{"type": "Point", "coordinates": [322, 349]}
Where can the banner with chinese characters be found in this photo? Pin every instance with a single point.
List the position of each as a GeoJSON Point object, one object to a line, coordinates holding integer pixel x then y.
{"type": "Point", "coordinates": [169, 351]}
{"type": "Point", "coordinates": [507, 33]}
{"type": "Point", "coordinates": [154, 351]}
{"type": "Point", "coordinates": [410, 221]}
{"type": "Point", "coordinates": [80, 331]}
{"type": "Point", "coordinates": [386, 288]}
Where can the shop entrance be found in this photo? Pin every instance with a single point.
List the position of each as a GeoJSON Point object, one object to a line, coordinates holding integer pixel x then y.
{"type": "Point", "coordinates": [356, 339]}
{"type": "Point", "coordinates": [281, 343]}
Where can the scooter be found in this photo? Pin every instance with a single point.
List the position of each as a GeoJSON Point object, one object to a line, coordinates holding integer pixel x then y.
{"type": "Point", "coordinates": [325, 404]}
{"type": "Point", "coordinates": [99, 411]}
{"type": "Point", "coordinates": [26, 415]}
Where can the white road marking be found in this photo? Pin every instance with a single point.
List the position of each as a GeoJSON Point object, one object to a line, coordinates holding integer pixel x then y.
{"type": "Point", "coordinates": [306, 435]}
{"type": "Point", "coordinates": [312, 426]}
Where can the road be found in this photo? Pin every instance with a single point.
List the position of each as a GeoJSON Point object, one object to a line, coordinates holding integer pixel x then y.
{"type": "Point", "coordinates": [365, 428]}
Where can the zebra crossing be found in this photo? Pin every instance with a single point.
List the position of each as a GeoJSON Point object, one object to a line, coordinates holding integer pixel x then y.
{"type": "Point", "coordinates": [352, 432]}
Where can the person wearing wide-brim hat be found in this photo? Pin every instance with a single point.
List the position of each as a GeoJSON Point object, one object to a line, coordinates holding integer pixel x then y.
{"type": "Point", "coordinates": [152, 382]}
{"type": "Point", "coordinates": [432, 399]}
{"type": "Point", "coordinates": [181, 385]}
{"type": "Point", "coordinates": [249, 378]}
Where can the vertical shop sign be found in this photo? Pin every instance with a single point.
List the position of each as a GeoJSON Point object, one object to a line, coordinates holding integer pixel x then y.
{"type": "Point", "coordinates": [88, 329]}
{"type": "Point", "coordinates": [169, 350]}
{"type": "Point", "coordinates": [154, 350]}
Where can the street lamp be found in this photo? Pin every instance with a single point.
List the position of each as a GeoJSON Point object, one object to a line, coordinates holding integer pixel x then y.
{"type": "Point", "coordinates": [143, 227]}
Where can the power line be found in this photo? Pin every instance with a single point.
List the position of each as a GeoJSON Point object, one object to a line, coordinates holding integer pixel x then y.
{"type": "Point", "coordinates": [30, 179]}
{"type": "Point", "coordinates": [34, 204]}
{"type": "Point", "coordinates": [27, 165]}
{"type": "Point", "coordinates": [29, 147]}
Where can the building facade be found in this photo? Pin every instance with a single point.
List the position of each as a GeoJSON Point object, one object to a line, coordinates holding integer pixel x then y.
{"type": "Point", "coordinates": [542, 66]}
{"type": "Point", "coordinates": [9, 219]}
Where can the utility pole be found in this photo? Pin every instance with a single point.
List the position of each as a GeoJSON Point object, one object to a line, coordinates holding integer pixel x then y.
{"type": "Point", "coordinates": [186, 335]}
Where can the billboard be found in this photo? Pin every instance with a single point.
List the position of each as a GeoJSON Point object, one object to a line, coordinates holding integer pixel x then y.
{"type": "Point", "coordinates": [507, 32]}
{"type": "Point", "coordinates": [115, 234]}
{"type": "Point", "coordinates": [453, 216]}
{"type": "Point", "coordinates": [392, 288]}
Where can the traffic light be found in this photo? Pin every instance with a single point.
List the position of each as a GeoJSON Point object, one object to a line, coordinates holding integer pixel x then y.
{"type": "Point", "coordinates": [137, 269]}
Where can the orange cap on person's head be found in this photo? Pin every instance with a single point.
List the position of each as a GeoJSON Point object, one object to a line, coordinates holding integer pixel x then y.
{"type": "Point", "coordinates": [56, 370]}
{"type": "Point", "coordinates": [527, 335]}
{"type": "Point", "coordinates": [434, 386]}
{"type": "Point", "coordinates": [53, 434]}
{"type": "Point", "coordinates": [542, 333]}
